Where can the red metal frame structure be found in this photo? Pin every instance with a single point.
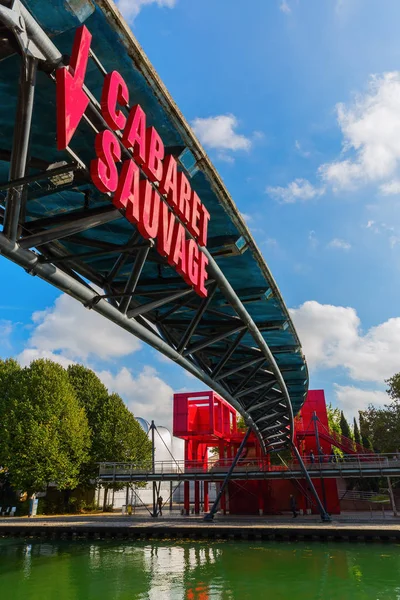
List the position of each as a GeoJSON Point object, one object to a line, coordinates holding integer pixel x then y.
{"type": "Point", "coordinates": [205, 421]}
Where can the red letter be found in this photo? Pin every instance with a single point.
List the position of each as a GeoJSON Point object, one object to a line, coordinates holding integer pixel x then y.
{"type": "Point", "coordinates": [185, 192]}
{"type": "Point", "coordinates": [153, 166]}
{"type": "Point", "coordinates": [177, 257]}
{"type": "Point", "coordinates": [165, 230]}
{"type": "Point", "coordinates": [70, 98]}
{"type": "Point", "coordinates": [103, 168]}
{"type": "Point", "coordinates": [127, 194]}
{"type": "Point", "coordinates": [150, 209]}
{"type": "Point", "coordinates": [134, 135]}
{"type": "Point", "coordinates": [115, 91]}
{"type": "Point", "coordinates": [193, 226]}
{"type": "Point", "coordinates": [192, 271]}
{"type": "Point", "coordinates": [204, 218]}
{"type": "Point", "coordinates": [201, 290]}
{"type": "Point", "coordinates": [169, 183]}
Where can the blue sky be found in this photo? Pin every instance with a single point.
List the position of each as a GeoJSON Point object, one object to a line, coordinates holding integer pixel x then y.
{"type": "Point", "coordinates": [298, 104]}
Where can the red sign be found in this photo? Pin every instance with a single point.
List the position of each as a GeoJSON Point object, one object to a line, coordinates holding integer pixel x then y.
{"type": "Point", "coordinates": [163, 205]}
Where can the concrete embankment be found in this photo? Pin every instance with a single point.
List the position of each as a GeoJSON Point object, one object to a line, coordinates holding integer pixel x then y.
{"type": "Point", "coordinates": [131, 528]}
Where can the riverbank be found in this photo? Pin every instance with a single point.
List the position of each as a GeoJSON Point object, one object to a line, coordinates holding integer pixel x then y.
{"type": "Point", "coordinates": [350, 527]}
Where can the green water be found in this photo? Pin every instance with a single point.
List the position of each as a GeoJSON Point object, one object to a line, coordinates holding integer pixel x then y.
{"type": "Point", "coordinates": [198, 571]}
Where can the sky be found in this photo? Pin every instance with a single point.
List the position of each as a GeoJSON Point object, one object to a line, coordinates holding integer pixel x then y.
{"type": "Point", "coordinates": [297, 103]}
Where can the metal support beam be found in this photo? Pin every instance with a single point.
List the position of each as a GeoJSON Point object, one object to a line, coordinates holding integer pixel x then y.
{"type": "Point", "coordinates": [254, 388]}
{"type": "Point", "coordinates": [228, 354]}
{"type": "Point", "coordinates": [99, 217]}
{"type": "Point", "coordinates": [20, 148]}
{"type": "Point", "coordinates": [210, 516]}
{"type": "Point", "coordinates": [149, 306]}
{"type": "Point", "coordinates": [324, 515]}
{"type": "Point", "coordinates": [153, 448]}
{"type": "Point", "coordinates": [320, 454]}
{"type": "Point", "coordinates": [133, 279]}
{"type": "Point", "coordinates": [240, 367]}
{"type": "Point", "coordinates": [212, 340]}
{"type": "Point", "coordinates": [31, 262]}
{"type": "Point", "coordinates": [227, 290]}
{"type": "Point", "coordinates": [197, 318]}
{"type": "Point", "coordinates": [248, 377]}
{"type": "Point", "coordinates": [39, 176]}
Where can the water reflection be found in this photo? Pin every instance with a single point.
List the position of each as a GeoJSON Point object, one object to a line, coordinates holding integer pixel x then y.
{"type": "Point", "coordinates": [198, 571]}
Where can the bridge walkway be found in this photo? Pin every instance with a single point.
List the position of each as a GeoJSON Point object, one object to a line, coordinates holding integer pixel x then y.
{"type": "Point", "coordinates": [352, 465]}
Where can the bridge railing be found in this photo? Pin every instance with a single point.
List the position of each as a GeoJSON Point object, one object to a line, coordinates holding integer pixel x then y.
{"type": "Point", "coordinates": [359, 462]}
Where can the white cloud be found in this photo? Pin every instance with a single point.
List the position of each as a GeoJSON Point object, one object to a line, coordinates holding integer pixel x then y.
{"type": "Point", "coordinates": [351, 399]}
{"type": "Point", "coordinates": [340, 244]}
{"type": "Point", "coordinates": [313, 240]}
{"type": "Point", "coordinates": [225, 158]}
{"type": "Point", "coordinates": [146, 394]}
{"type": "Point", "coordinates": [78, 333]}
{"type": "Point", "coordinates": [394, 240]}
{"type": "Point", "coordinates": [332, 337]}
{"type": "Point", "coordinates": [299, 189]}
{"type": "Point", "coordinates": [371, 131]}
{"type": "Point", "coordinates": [30, 354]}
{"type": "Point", "coordinates": [390, 188]}
{"type": "Point", "coordinates": [131, 8]}
{"type": "Point", "coordinates": [219, 133]}
{"type": "Point", "coordinates": [271, 242]}
{"type": "Point", "coordinates": [247, 218]}
{"type": "Point", "coordinates": [299, 148]}
{"type": "Point", "coordinates": [6, 328]}
{"type": "Point", "coordinates": [284, 7]}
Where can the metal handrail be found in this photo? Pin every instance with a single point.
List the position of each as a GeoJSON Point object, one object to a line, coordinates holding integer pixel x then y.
{"type": "Point", "coordinates": [319, 464]}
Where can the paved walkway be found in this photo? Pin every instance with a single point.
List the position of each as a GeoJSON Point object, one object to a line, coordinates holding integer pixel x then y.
{"type": "Point", "coordinates": [349, 525]}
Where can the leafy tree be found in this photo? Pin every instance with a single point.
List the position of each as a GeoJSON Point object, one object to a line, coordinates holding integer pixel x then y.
{"type": "Point", "coordinates": [116, 435]}
{"type": "Point", "coordinates": [44, 431]}
{"type": "Point", "coordinates": [394, 387]}
{"type": "Point", "coordinates": [381, 427]}
{"type": "Point", "coordinates": [334, 418]}
{"type": "Point", "coordinates": [356, 432]}
{"type": "Point", "coordinates": [365, 431]}
{"type": "Point", "coordinates": [344, 426]}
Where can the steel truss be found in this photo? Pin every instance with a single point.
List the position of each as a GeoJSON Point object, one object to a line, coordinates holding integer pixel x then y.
{"type": "Point", "coordinates": [215, 338]}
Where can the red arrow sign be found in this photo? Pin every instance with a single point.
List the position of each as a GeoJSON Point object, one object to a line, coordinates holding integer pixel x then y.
{"type": "Point", "coordinates": [71, 99]}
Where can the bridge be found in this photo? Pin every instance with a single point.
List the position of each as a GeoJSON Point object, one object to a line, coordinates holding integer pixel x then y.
{"type": "Point", "coordinates": [352, 465]}
{"type": "Point", "coordinates": [145, 234]}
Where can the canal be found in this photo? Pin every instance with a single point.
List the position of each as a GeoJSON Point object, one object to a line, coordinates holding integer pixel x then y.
{"type": "Point", "coordinates": [197, 571]}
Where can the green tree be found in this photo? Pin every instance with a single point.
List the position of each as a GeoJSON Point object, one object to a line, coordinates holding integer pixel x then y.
{"type": "Point", "coordinates": [356, 432]}
{"type": "Point", "coordinates": [383, 427]}
{"type": "Point", "coordinates": [344, 426]}
{"type": "Point", "coordinates": [116, 435]}
{"type": "Point", "coordinates": [44, 431]}
{"type": "Point", "coordinates": [334, 418]}
{"type": "Point", "coordinates": [365, 431]}
{"type": "Point", "coordinates": [394, 387]}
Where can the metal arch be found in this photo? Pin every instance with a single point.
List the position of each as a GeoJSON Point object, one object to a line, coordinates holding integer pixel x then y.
{"type": "Point", "coordinates": [216, 339]}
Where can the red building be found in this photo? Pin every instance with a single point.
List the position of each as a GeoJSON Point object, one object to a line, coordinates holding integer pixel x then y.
{"type": "Point", "coordinates": [208, 424]}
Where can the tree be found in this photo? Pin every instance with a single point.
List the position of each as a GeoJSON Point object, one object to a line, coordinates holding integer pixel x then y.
{"type": "Point", "coordinates": [334, 418]}
{"type": "Point", "coordinates": [344, 426]}
{"type": "Point", "coordinates": [116, 435]}
{"type": "Point", "coordinates": [365, 431]}
{"type": "Point", "coordinates": [381, 427]}
{"type": "Point", "coordinates": [394, 387]}
{"type": "Point", "coordinates": [44, 431]}
{"type": "Point", "coordinates": [356, 432]}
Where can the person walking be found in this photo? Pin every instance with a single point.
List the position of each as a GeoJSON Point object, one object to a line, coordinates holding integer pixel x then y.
{"type": "Point", "coordinates": [293, 506]}
{"type": "Point", "coordinates": [160, 502]}
{"type": "Point", "coordinates": [312, 457]}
